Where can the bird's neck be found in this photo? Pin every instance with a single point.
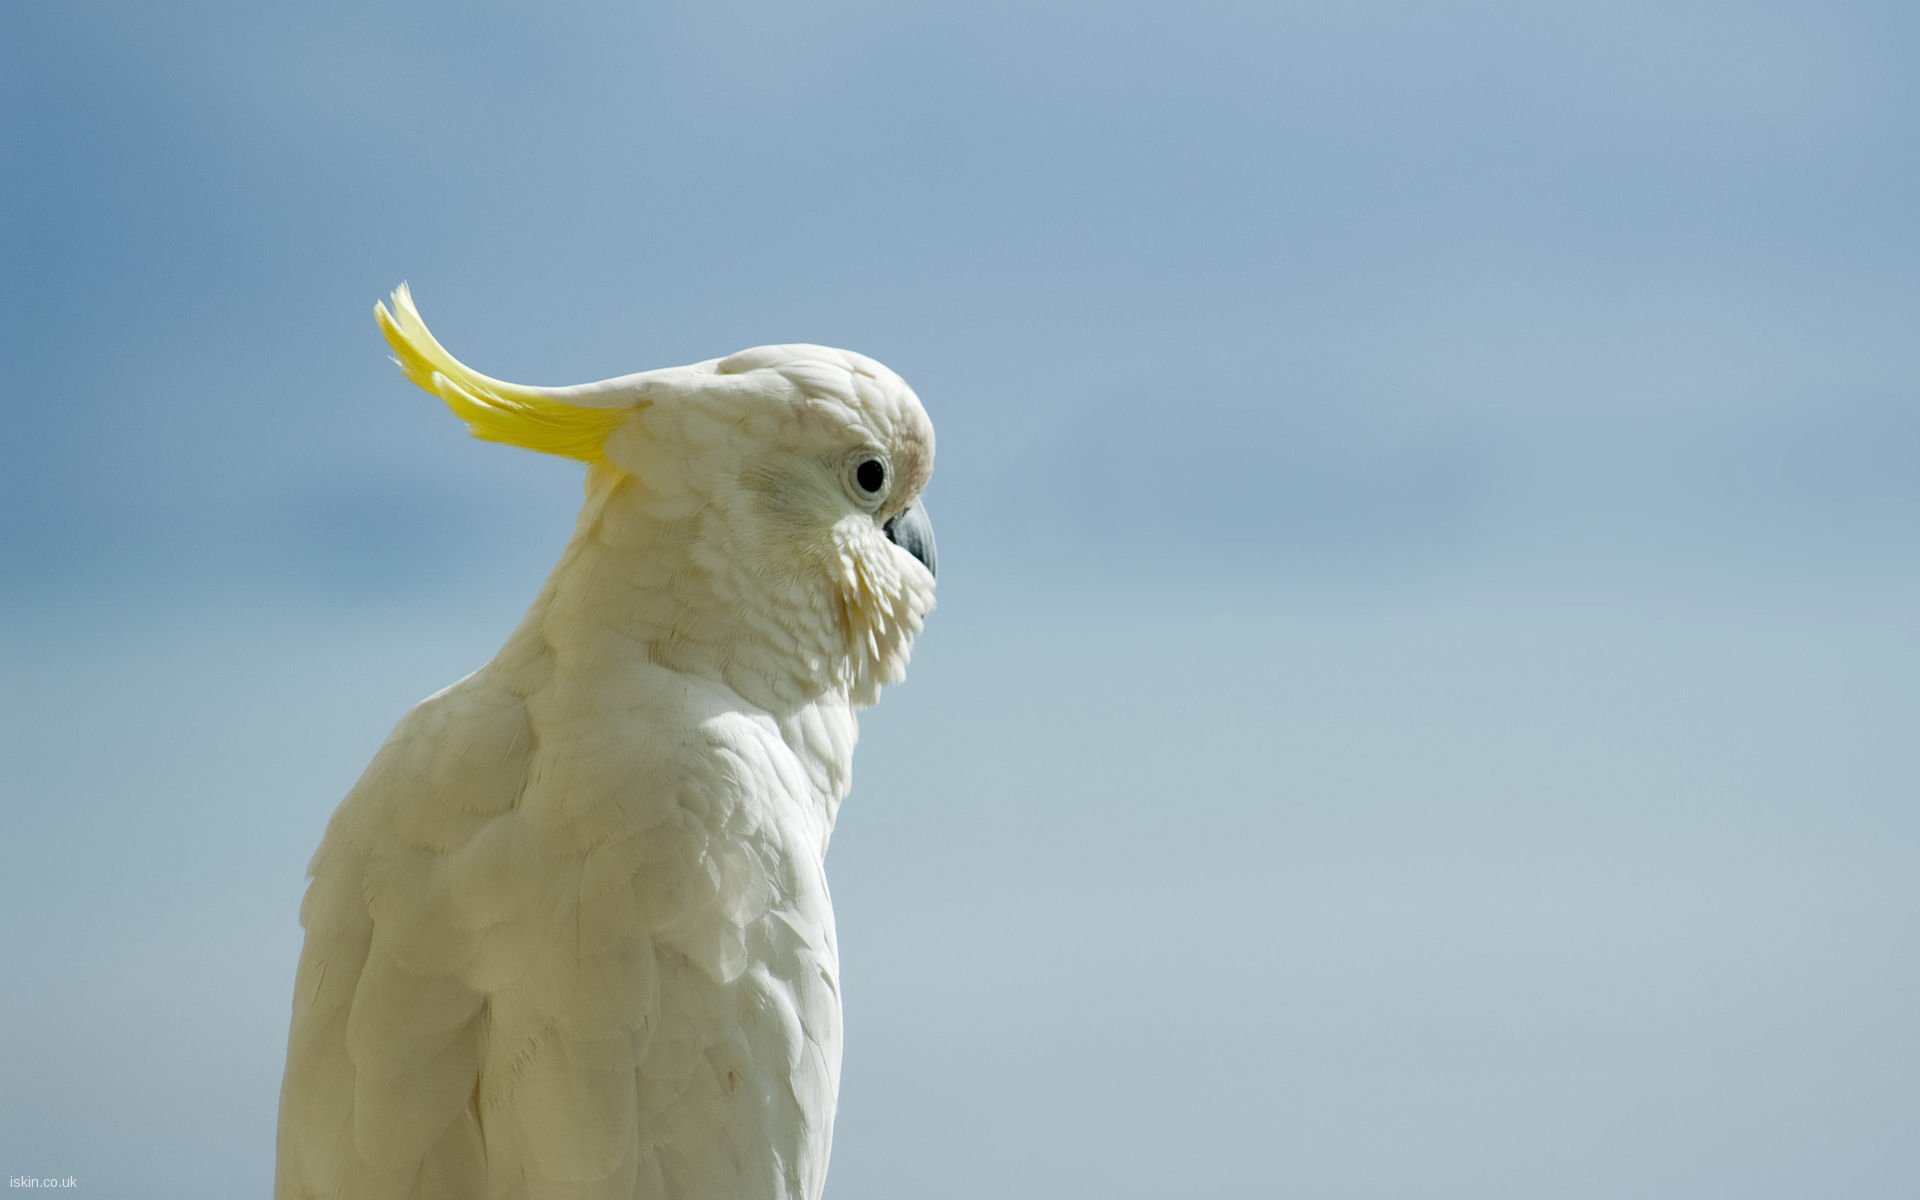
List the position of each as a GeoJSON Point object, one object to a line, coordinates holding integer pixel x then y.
{"type": "Point", "coordinates": [646, 584]}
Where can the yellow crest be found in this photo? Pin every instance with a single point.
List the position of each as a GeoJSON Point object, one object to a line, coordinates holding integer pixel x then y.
{"type": "Point", "coordinates": [494, 409]}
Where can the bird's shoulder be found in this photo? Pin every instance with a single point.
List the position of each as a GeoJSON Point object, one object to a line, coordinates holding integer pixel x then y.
{"type": "Point", "coordinates": [578, 770]}
{"type": "Point", "coordinates": [502, 897]}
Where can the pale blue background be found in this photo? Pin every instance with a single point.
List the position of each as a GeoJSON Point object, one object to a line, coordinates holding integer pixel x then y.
{"type": "Point", "coordinates": [1423, 702]}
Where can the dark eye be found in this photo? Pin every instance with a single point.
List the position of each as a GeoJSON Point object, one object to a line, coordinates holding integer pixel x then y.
{"type": "Point", "coordinates": [871, 475]}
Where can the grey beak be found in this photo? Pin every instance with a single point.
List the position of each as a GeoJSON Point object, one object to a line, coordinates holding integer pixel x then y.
{"type": "Point", "coordinates": [912, 531]}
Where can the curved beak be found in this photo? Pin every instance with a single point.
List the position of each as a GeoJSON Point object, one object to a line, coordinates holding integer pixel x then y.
{"type": "Point", "coordinates": [912, 531]}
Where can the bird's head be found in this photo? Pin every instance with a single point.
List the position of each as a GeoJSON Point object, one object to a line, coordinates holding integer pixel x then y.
{"type": "Point", "coordinates": [800, 466]}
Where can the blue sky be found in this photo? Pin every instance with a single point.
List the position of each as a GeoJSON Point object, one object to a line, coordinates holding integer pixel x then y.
{"type": "Point", "coordinates": [1421, 703]}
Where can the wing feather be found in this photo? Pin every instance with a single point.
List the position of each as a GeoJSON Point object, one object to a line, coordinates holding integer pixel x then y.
{"type": "Point", "coordinates": [538, 968]}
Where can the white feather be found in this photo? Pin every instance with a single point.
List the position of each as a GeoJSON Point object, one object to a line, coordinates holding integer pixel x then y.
{"type": "Point", "coordinates": [570, 935]}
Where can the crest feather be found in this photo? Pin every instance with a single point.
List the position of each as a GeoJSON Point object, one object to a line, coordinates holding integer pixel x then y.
{"type": "Point", "coordinates": [493, 409]}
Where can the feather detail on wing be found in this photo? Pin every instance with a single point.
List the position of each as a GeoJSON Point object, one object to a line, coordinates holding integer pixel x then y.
{"type": "Point", "coordinates": [537, 967]}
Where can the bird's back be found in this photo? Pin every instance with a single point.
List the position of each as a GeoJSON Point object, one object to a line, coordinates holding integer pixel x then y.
{"type": "Point", "coordinates": [567, 937]}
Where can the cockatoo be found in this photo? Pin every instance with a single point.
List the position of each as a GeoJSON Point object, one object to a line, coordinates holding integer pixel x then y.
{"type": "Point", "coordinates": [569, 935]}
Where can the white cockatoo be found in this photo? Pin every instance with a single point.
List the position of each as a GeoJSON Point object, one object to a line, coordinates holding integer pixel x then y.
{"type": "Point", "coordinates": [569, 936]}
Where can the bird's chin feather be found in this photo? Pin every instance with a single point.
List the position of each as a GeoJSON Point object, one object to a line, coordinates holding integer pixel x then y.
{"type": "Point", "coordinates": [883, 599]}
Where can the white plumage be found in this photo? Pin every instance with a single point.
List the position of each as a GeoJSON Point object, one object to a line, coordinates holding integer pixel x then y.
{"type": "Point", "coordinates": [569, 935]}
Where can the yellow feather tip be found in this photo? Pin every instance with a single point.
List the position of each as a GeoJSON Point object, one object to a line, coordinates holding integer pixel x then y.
{"type": "Point", "coordinates": [493, 409]}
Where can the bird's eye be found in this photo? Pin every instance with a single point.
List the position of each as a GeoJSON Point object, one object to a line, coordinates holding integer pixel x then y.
{"type": "Point", "coordinates": [867, 477]}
